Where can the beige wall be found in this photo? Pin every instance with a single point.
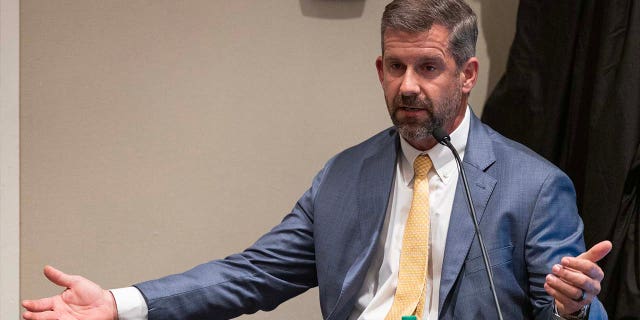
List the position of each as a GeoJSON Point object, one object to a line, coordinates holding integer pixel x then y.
{"type": "Point", "coordinates": [156, 135]}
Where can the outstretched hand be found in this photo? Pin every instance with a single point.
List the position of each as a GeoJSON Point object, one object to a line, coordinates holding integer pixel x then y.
{"type": "Point", "coordinates": [82, 299]}
{"type": "Point", "coordinates": [576, 281]}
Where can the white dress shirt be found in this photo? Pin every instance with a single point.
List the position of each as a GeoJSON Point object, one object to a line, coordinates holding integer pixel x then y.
{"type": "Point", "coordinates": [376, 295]}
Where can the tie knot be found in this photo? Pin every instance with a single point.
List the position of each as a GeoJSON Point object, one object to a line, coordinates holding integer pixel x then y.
{"type": "Point", "coordinates": [422, 165]}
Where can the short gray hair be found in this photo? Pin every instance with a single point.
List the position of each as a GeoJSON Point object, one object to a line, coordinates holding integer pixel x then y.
{"type": "Point", "coordinates": [420, 15]}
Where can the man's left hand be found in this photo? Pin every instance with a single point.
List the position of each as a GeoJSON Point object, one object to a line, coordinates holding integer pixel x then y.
{"type": "Point", "coordinates": [576, 281]}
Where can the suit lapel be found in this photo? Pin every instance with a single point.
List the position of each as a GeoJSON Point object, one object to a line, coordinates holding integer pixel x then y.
{"type": "Point", "coordinates": [478, 157]}
{"type": "Point", "coordinates": [374, 187]}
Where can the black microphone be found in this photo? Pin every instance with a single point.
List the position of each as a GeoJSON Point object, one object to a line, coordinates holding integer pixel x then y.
{"type": "Point", "coordinates": [443, 138]}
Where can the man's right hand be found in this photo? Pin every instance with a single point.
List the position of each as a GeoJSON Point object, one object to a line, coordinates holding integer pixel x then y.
{"type": "Point", "coordinates": [82, 299]}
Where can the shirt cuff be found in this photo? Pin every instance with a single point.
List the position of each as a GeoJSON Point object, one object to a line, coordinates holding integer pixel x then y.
{"type": "Point", "coordinates": [130, 304]}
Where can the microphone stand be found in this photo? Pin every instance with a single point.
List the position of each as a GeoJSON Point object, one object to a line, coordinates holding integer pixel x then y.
{"type": "Point", "coordinates": [443, 138]}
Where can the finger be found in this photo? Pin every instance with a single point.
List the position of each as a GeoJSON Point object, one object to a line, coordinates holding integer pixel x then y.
{"type": "Point", "coordinates": [565, 304]}
{"type": "Point", "coordinates": [588, 268]}
{"type": "Point", "coordinates": [58, 277]}
{"type": "Point", "coordinates": [566, 291]}
{"type": "Point", "coordinates": [597, 252]}
{"type": "Point", "coordinates": [38, 305]}
{"type": "Point", "coordinates": [580, 279]}
{"type": "Point", "coordinates": [47, 315]}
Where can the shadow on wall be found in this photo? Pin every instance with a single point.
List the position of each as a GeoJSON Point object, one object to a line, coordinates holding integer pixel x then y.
{"type": "Point", "coordinates": [332, 9]}
{"type": "Point", "coordinates": [498, 25]}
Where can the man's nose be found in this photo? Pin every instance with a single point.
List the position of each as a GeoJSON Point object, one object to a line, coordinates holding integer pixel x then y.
{"type": "Point", "coordinates": [409, 85]}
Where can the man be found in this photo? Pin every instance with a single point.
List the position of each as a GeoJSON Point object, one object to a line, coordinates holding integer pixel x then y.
{"type": "Point", "coordinates": [382, 238]}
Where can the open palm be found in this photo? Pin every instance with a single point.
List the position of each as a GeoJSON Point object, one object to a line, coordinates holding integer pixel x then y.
{"type": "Point", "coordinates": [83, 299]}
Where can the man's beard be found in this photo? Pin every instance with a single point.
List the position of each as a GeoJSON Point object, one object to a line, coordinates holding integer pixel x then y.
{"type": "Point", "coordinates": [439, 116]}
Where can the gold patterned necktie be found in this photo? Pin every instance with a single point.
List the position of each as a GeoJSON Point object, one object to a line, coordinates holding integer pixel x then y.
{"type": "Point", "coordinates": [412, 275]}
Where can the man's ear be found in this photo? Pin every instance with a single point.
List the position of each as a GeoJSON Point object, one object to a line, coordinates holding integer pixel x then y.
{"type": "Point", "coordinates": [469, 74]}
{"type": "Point", "coordinates": [380, 68]}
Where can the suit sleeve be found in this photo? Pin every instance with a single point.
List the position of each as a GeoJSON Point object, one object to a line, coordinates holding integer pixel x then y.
{"type": "Point", "coordinates": [555, 231]}
{"type": "Point", "coordinates": [279, 266]}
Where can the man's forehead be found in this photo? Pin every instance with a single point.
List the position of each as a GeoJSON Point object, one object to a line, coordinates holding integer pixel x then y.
{"type": "Point", "coordinates": [436, 32]}
{"type": "Point", "coordinates": [435, 39]}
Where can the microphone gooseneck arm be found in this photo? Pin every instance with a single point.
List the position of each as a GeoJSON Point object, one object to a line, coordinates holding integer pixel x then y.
{"type": "Point", "coordinates": [443, 138]}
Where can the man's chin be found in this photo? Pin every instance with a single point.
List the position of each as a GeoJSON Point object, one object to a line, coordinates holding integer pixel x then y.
{"type": "Point", "coordinates": [413, 133]}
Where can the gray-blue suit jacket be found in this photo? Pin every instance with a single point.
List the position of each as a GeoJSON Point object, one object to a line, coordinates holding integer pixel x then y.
{"type": "Point", "coordinates": [527, 213]}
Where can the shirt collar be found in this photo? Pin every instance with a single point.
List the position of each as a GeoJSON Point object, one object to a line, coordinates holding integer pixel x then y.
{"type": "Point", "coordinates": [440, 155]}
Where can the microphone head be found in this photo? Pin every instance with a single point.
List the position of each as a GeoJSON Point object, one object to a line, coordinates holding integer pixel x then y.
{"type": "Point", "coordinates": [441, 135]}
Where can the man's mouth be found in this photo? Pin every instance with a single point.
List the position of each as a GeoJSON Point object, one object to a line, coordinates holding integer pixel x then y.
{"type": "Point", "coordinates": [411, 108]}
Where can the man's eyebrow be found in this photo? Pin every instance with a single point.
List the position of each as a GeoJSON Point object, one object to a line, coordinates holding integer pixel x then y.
{"type": "Point", "coordinates": [431, 58]}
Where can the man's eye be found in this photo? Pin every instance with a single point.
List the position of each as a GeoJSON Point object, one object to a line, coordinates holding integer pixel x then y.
{"type": "Point", "coordinates": [395, 66]}
{"type": "Point", "coordinates": [429, 68]}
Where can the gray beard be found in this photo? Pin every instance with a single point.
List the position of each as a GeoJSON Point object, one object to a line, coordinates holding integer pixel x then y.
{"type": "Point", "coordinates": [419, 131]}
{"type": "Point", "coordinates": [416, 131]}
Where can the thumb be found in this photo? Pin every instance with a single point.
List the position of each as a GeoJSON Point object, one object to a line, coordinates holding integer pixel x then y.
{"type": "Point", "coordinates": [58, 277]}
{"type": "Point", "coordinates": [597, 252]}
